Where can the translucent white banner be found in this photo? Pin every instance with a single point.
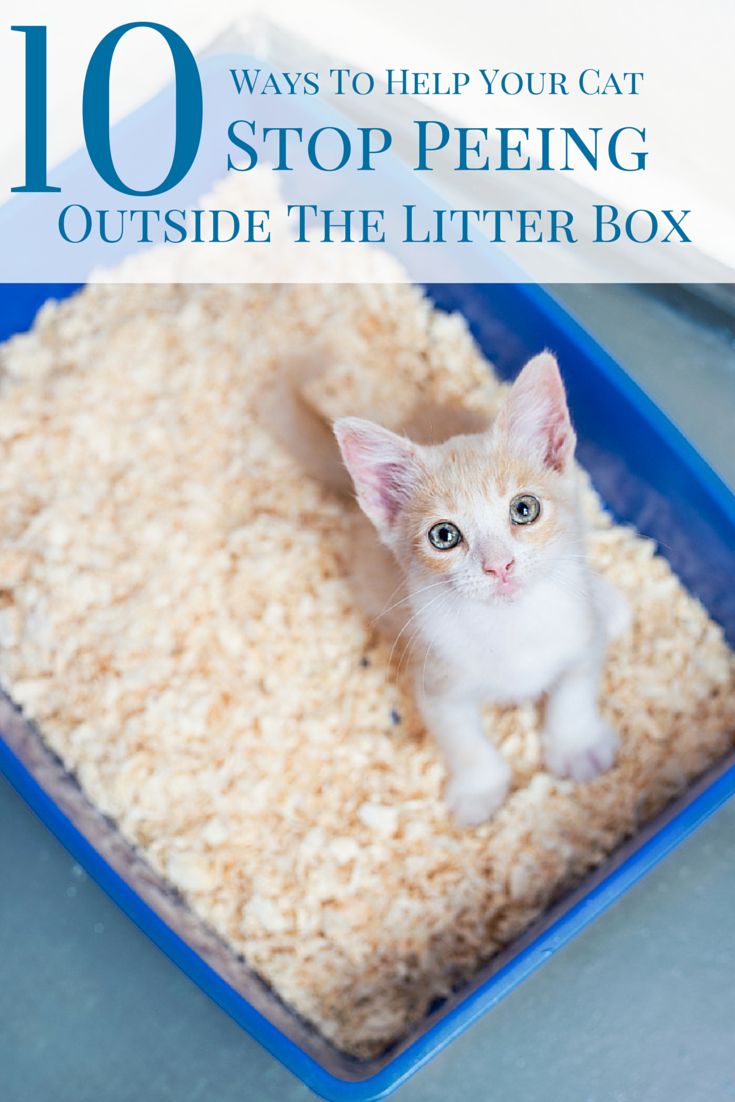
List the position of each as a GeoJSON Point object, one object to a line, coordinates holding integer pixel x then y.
{"type": "Point", "coordinates": [431, 144]}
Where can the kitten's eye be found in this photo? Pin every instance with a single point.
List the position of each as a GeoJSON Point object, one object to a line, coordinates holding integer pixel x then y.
{"type": "Point", "coordinates": [444, 535]}
{"type": "Point", "coordinates": [525, 509]}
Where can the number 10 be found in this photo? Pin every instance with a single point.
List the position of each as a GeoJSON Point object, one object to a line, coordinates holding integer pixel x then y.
{"type": "Point", "coordinates": [96, 110]}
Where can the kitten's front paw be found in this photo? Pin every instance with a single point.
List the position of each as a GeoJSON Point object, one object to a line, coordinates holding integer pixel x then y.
{"type": "Point", "coordinates": [475, 795]}
{"type": "Point", "coordinates": [583, 754]}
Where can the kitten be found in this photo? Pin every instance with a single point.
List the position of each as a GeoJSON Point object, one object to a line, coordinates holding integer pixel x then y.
{"type": "Point", "coordinates": [488, 531]}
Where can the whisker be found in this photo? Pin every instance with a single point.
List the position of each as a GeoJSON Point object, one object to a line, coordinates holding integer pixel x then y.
{"type": "Point", "coordinates": [406, 658]}
{"type": "Point", "coordinates": [415, 593]}
{"type": "Point", "coordinates": [410, 621]}
{"type": "Point", "coordinates": [417, 634]}
{"type": "Point", "coordinates": [390, 597]}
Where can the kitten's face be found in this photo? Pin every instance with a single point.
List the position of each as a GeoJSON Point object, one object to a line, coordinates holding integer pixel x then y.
{"type": "Point", "coordinates": [485, 515]}
{"type": "Point", "coordinates": [485, 521]}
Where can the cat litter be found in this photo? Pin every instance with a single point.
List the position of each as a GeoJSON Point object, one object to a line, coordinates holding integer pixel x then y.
{"type": "Point", "coordinates": [177, 619]}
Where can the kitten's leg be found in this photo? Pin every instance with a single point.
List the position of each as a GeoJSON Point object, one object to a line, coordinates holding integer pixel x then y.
{"type": "Point", "coordinates": [577, 741]}
{"type": "Point", "coordinates": [479, 774]}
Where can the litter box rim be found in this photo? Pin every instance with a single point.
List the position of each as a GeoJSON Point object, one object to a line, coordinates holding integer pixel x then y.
{"type": "Point", "coordinates": [678, 822]}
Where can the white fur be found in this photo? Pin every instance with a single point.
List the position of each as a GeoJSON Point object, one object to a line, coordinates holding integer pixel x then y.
{"type": "Point", "coordinates": [549, 639]}
{"type": "Point", "coordinates": [541, 633]}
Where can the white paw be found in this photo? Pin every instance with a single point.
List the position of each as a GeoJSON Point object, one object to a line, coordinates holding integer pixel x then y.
{"type": "Point", "coordinates": [583, 754]}
{"type": "Point", "coordinates": [475, 795]}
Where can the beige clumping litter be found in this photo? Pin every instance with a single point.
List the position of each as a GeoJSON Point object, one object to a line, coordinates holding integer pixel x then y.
{"type": "Point", "coordinates": [177, 618]}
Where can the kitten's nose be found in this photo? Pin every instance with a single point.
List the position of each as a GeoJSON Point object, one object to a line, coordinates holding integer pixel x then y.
{"type": "Point", "coordinates": [499, 570]}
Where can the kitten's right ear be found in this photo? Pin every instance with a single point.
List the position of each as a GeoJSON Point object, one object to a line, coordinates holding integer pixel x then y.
{"type": "Point", "coordinates": [384, 467]}
{"type": "Point", "coordinates": [535, 417]}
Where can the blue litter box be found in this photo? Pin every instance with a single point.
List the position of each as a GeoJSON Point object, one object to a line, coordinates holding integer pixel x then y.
{"type": "Point", "coordinates": [649, 476]}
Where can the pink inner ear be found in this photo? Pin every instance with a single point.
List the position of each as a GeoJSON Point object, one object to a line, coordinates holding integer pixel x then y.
{"type": "Point", "coordinates": [381, 465]}
{"type": "Point", "coordinates": [536, 414]}
{"type": "Point", "coordinates": [558, 435]}
{"type": "Point", "coordinates": [384, 487]}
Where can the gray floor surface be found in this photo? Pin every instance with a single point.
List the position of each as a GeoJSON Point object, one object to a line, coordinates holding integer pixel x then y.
{"type": "Point", "coordinates": [639, 1008]}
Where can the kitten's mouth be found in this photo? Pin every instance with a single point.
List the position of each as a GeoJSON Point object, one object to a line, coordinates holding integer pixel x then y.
{"type": "Point", "coordinates": [501, 591]}
{"type": "Point", "coordinates": [506, 590]}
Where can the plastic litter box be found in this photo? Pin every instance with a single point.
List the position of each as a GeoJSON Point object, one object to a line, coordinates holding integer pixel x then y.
{"type": "Point", "coordinates": [648, 475]}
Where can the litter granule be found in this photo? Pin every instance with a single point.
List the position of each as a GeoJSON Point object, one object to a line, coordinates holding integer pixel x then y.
{"type": "Point", "coordinates": [177, 618]}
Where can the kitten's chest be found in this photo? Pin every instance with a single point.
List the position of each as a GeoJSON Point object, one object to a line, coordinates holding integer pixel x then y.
{"type": "Point", "coordinates": [516, 651]}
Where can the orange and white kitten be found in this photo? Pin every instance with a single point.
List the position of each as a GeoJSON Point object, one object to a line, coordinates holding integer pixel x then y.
{"type": "Point", "coordinates": [488, 531]}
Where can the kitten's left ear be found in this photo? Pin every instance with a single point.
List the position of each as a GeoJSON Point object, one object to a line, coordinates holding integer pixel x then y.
{"type": "Point", "coordinates": [384, 468]}
{"type": "Point", "coordinates": [535, 416]}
